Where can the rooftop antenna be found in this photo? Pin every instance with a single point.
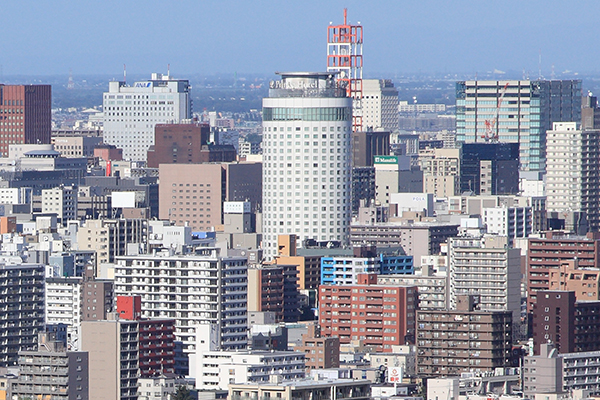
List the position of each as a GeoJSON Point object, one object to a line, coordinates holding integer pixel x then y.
{"type": "Point", "coordinates": [169, 70]}
{"type": "Point", "coordinates": [540, 65]}
{"type": "Point", "coordinates": [124, 73]}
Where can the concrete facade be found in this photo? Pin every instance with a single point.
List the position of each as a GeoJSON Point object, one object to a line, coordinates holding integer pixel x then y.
{"type": "Point", "coordinates": [307, 160]}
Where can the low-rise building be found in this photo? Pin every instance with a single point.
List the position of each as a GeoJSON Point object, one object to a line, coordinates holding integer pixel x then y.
{"type": "Point", "coordinates": [215, 369]}
{"type": "Point", "coordinates": [331, 389]}
{"type": "Point", "coordinates": [320, 352]}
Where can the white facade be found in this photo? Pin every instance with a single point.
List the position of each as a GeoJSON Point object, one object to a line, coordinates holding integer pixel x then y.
{"type": "Point", "coordinates": [307, 122]}
{"type": "Point", "coordinates": [63, 299]}
{"type": "Point", "coordinates": [61, 201]}
{"type": "Point", "coordinates": [156, 388]}
{"type": "Point", "coordinates": [564, 170]}
{"type": "Point", "coordinates": [432, 289]}
{"type": "Point", "coordinates": [345, 270]}
{"type": "Point", "coordinates": [15, 195]}
{"type": "Point", "coordinates": [415, 202]}
{"type": "Point", "coordinates": [379, 104]}
{"type": "Point", "coordinates": [215, 370]}
{"type": "Point", "coordinates": [513, 222]}
{"type": "Point", "coordinates": [193, 289]}
{"type": "Point", "coordinates": [162, 233]}
{"type": "Point", "coordinates": [131, 112]}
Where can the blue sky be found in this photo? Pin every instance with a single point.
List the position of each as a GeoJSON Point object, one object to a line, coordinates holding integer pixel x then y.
{"type": "Point", "coordinates": [98, 37]}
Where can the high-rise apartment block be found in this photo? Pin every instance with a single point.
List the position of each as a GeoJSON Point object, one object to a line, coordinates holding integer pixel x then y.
{"type": "Point", "coordinates": [463, 340]}
{"type": "Point", "coordinates": [25, 115]}
{"type": "Point", "coordinates": [61, 201]}
{"type": "Point", "coordinates": [21, 309]}
{"type": "Point", "coordinates": [516, 112]}
{"type": "Point", "coordinates": [110, 237]}
{"type": "Point", "coordinates": [306, 159]}
{"type": "Point", "coordinates": [388, 319]}
{"type": "Point", "coordinates": [63, 305]}
{"type": "Point", "coordinates": [321, 352]}
{"type": "Point", "coordinates": [545, 256]}
{"type": "Point", "coordinates": [186, 143]}
{"type": "Point", "coordinates": [122, 351]}
{"type": "Point", "coordinates": [561, 318]}
{"type": "Point", "coordinates": [441, 171]}
{"type": "Point", "coordinates": [97, 296]}
{"type": "Point", "coordinates": [487, 268]}
{"type": "Point", "coordinates": [274, 287]}
{"type": "Point", "coordinates": [379, 104]}
{"type": "Point", "coordinates": [573, 173]}
{"type": "Point", "coordinates": [201, 288]}
{"type": "Point", "coordinates": [131, 112]}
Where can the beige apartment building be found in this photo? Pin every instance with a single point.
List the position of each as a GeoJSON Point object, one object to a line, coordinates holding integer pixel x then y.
{"type": "Point", "coordinates": [441, 171]}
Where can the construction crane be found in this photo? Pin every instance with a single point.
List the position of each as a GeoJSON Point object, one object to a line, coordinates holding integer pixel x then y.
{"type": "Point", "coordinates": [491, 127]}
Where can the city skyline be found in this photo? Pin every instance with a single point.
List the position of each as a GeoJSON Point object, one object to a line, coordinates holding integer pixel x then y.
{"type": "Point", "coordinates": [235, 36]}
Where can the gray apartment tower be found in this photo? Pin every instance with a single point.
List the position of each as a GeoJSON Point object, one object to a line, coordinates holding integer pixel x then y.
{"type": "Point", "coordinates": [52, 372]}
{"type": "Point", "coordinates": [21, 309]}
{"type": "Point", "coordinates": [516, 111]}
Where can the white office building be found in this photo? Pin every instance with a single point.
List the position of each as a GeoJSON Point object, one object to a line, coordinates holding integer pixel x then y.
{"type": "Point", "coordinates": [307, 122]}
{"type": "Point", "coordinates": [61, 201]}
{"type": "Point", "coordinates": [379, 104]}
{"type": "Point", "coordinates": [15, 195]}
{"type": "Point", "coordinates": [513, 222]}
{"type": "Point", "coordinates": [131, 112]}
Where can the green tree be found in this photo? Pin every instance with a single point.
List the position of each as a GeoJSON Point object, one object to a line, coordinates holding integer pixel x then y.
{"type": "Point", "coordinates": [182, 393]}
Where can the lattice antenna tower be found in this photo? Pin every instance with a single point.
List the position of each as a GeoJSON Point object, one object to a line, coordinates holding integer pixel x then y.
{"type": "Point", "coordinates": [71, 83]}
{"type": "Point", "coordinates": [344, 55]}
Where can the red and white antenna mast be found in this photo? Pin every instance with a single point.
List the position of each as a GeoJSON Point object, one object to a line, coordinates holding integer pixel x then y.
{"type": "Point", "coordinates": [344, 55]}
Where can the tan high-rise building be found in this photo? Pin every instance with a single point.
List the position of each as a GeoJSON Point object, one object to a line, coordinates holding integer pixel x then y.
{"type": "Point", "coordinates": [441, 171]}
{"type": "Point", "coordinates": [193, 194]}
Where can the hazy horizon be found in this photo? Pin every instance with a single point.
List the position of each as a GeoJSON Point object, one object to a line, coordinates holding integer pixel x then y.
{"type": "Point", "coordinates": [400, 37]}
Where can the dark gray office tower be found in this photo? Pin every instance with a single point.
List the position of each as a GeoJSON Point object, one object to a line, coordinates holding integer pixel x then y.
{"type": "Point", "coordinates": [490, 168]}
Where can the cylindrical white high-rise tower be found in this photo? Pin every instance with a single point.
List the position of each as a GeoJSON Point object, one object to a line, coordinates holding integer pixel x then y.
{"type": "Point", "coordinates": [307, 128]}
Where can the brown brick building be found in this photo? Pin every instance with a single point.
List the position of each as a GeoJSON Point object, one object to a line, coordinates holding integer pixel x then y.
{"type": "Point", "coordinates": [186, 144]}
{"type": "Point", "coordinates": [25, 115]}
{"type": "Point", "coordinates": [572, 325]}
{"type": "Point", "coordinates": [320, 352]}
{"type": "Point", "coordinates": [463, 340]}
{"type": "Point", "coordinates": [274, 287]}
{"type": "Point", "coordinates": [547, 254]}
{"type": "Point", "coordinates": [379, 316]}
